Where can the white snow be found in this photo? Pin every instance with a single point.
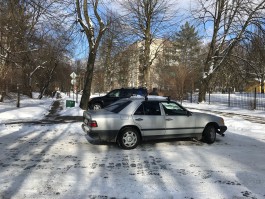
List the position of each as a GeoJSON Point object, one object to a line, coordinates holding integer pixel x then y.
{"type": "Point", "coordinates": [59, 161]}
{"type": "Point", "coordinates": [30, 109]}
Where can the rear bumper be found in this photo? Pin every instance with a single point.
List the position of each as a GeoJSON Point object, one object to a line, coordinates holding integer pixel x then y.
{"type": "Point", "coordinates": [85, 128]}
{"type": "Point", "coordinates": [88, 131]}
{"type": "Point", "coordinates": [107, 135]}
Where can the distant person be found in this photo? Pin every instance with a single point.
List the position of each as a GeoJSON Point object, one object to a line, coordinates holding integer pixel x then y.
{"type": "Point", "coordinates": [53, 94]}
{"type": "Point", "coordinates": [154, 92]}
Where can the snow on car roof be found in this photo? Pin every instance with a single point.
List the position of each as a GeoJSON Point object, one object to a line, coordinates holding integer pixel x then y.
{"type": "Point", "coordinates": [150, 97]}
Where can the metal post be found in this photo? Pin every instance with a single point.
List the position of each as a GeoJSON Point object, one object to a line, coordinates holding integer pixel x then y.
{"type": "Point", "coordinates": [228, 97]}
{"type": "Point", "coordinates": [209, 96]}
{"type": "Point", "coordinates": [18, 96]}
{"type": "Point", "coordinates": [73, 93]}
{"type": "Point", "coordinates": [255, 99]}
{"type": "Point", "coordinates": [191, 96]}
{"type": "Point", "coordinates": [76, 95]}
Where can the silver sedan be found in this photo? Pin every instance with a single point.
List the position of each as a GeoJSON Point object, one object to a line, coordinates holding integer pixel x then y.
{"type": "Point", "coordinates": [128, 121]}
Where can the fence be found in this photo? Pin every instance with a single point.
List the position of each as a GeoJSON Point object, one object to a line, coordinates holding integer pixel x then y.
{"type": "Point", "coordinates": [252, 101]}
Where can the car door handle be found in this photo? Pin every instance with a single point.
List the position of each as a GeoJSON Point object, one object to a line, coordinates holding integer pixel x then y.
{"type": "Point", "coordinates": [139, 119]}
{"type": "Point", "coordinates": [169, 119]}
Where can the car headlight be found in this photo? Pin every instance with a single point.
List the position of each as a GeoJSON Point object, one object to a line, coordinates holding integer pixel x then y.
{"type": "Point", "coordinates": [222, 122]}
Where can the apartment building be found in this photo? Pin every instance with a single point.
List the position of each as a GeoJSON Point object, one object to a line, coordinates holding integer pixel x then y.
{"type": "Point", "coordinates": [131, 62]}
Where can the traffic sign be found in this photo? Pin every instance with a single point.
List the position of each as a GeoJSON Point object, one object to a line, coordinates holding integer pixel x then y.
{"type": "Point", "coordinates": [73, 75]}
{"type": "Point", "coordinates": [73, 81]}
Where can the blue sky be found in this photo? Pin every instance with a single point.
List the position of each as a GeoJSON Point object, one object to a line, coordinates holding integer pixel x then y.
{"type": "Point", "coordinates": [182, 6]}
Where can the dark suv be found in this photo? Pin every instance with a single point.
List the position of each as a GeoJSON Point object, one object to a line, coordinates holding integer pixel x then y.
{"type": "Point", "coordinates": [114, 95]}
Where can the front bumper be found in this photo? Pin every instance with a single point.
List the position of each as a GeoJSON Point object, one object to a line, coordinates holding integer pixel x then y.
{"type": "Point", "coordinates": [222, 130]}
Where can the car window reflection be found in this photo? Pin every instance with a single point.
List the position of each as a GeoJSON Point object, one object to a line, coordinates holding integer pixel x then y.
{"type": "Point", "coordinates": [171, 108]}
{"type": "Point", "coordinates": [114, 93]}
{"type": "Point", "coordinates": [118, 106]}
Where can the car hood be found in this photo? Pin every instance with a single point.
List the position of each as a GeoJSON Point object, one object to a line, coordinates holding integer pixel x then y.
{"type": "Point", "coordinates": [197, 114]}
{"type": "Point", "coordinates": [204, 118]}
{"type": "Point", "coordinates": [97, 98]}
{"type": "Point", "coordinates": [203, 114]}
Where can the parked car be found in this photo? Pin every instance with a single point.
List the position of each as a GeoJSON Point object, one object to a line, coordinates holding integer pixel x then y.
{"type": "Point", "coordinates": [131, 120]}
{"type": "Point", "coordinates": [114, 95]}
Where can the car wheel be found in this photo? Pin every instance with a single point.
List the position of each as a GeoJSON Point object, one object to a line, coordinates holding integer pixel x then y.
{"type": "Point", "coordinates": [129, 138]}
{"type": "Point", "coordinates": [96, 106]}
{"type": "Point", "coordinates": [209, 134]}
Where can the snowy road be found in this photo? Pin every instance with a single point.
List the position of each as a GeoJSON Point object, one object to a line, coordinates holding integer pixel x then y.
{"type": "Point", "coordinates": [254, 119]}
{"type": "Point", "coordinates": [58, 161]}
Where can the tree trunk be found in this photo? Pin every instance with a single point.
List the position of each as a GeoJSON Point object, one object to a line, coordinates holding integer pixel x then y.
{"type": "Point", "coordinates": [48, 82]}
{"type": "Point", "coordinates": [146, 77]}
{"type": "Point", "coordinates": [88, 81]}
{"type": "Point", "coordinates": [28, 91]}
{"type": "Point", "coordinates": [147, 64]}
{"type": "Point", "coordinates": [2, 95]}
{"type": "Point", "coordinates": [262, 86]}
{"type": "Point", "coordinates": [203, 89]}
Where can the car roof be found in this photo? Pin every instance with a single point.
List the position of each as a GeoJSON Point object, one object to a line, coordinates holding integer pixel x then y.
{"type": "Point", "coordinates": [137, 100]}
{"type": "Point", "coordinates": [150, 97]}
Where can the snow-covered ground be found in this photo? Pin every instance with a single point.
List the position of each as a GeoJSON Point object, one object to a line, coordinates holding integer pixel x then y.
{"type": "Point", "coordinates": [58, 161]}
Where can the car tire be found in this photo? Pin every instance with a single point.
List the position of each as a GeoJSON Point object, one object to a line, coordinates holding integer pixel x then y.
{"type": "Point", "coordinates": [128, 138]}
{"type": "Point", "coordinates": [96, 106]}
{"type": "Point", "coordinates": [209, 134]}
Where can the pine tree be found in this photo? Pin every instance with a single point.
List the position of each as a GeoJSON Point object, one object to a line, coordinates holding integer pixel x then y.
{"type": "Point", "coordinates": [187, 45]}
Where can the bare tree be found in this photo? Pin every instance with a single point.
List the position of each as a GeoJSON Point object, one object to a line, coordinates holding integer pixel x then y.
{"type": "Point", "coordinates": [113, 43]}
{"type": "Point", "coordinates": [230, 22]}
{"type": "Point", "coordinates": [147, 19]}
{"type": "Point", "coordinates": [13, 41]}
{"type": "Point", "coordinates": [52, 55]}
{"type": "Point", "coordinates": [26, 27]}
{"type": "Point", "coordinates": [92, 24]}
{"type": "Point", "coordinates": [256, 58]}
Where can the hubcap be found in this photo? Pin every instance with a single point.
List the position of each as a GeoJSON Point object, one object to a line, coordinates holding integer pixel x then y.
{"type": "Point", "coordinates": [129, 139]}
{"type": "Point", "coordinates": [96, 107]}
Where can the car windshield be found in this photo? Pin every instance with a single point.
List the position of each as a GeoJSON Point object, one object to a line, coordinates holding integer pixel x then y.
{"type": "Point", "coordinates": [116, 107]}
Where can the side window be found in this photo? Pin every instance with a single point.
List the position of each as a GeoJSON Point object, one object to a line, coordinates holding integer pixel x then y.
{"type": "Point", "coordinates": [148, 108]}
{"type": "Point", "coordinates": [172, 108]}
{"type": "Point", "coordinates": [114, 93]}
{"type": "Point", "coordinates": [138, 92]}
{"type": "Point", "coordinates": [140, 110]}
{"type": "Point", "coordinates": [151, 108]}
{"type": "Point", "coordinates": [126, 93]}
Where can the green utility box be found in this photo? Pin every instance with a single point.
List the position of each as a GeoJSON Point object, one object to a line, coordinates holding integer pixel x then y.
{"type": "Point", "coordinates": [70, 103]}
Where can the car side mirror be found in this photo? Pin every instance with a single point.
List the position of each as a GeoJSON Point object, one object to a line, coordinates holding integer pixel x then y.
{"type": "Point", "coordinates": [189, 113]}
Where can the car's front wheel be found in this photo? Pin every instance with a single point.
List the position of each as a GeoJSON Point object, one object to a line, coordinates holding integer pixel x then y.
{"type": "Point", "coordinates": [96, 106]}
{"type": "Point", "coordinates": [209, 134]}
{"type": "Point", "coordinates": [129, 138]}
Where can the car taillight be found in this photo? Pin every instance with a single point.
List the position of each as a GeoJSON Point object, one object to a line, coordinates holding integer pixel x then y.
{"type": "Point", "coordinates": [93, 124]}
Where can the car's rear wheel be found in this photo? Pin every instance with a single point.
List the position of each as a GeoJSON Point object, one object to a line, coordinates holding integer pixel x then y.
{"type": "Point", "coordinates": [209, 134]}
{"type": "Point", "coordinates": [129, 138]}
{"type": "Point", "coordinates": [96, 106]}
